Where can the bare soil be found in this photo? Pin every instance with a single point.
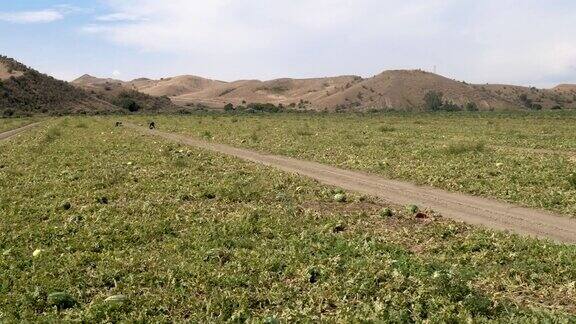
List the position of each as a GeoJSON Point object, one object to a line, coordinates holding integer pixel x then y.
{"type": "Point", "coordinates": [6, 74]}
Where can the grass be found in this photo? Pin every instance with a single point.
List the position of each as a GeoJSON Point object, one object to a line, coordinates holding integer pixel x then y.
{"type": "Point", "coordinates": [133, 228]}
{"type": "Point", "coordinates": [486, 154]}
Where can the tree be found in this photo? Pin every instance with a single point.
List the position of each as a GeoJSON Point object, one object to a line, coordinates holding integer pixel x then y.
{"type": "Point", "coordinates": [8, 112]}
{"type": "Point", "coordinates": [527, 102]}
{"type": "Point", "coordinates": [450, 106]}
{"type": "Point", "coordinates": [128, 104]}
{"type": "Point", "coordinates": [433, 100]}
{"type": "Point", "coordinates": [471, 106]}
{"type": "Point", "coordinates": [264, 107]}
{"type": "Point", "coordinates": [229, 107]}
{"type": "Point", "coordinates": [536, 106]}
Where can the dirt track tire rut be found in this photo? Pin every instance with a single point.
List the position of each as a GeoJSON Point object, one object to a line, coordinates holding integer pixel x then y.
{"type": "Point", "coordinates": [11, 133]}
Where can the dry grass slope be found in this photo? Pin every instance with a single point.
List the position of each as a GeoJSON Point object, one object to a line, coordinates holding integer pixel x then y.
{"type": "Point", "coordinates": [123, 94]}
{"type": "Point", "coordinates": [390, 90]}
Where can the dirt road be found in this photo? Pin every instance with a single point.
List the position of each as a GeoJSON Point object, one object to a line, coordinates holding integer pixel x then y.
{"type": "Point", "coordinates": [14, 132]}
{"type": "Point", "coordinates": [473, 210]}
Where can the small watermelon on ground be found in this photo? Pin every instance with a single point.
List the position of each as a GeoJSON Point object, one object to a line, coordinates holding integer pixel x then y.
{"type": "Point", "coordinates": [61, 300]}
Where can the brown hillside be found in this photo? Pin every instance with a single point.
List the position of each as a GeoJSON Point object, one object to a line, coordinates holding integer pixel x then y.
{"type": "Point", "coordinates": [173, 86]}
{"type": "Point", "coordinates": [397, 89]}
{"type": "Point", "coordinates": [401, 90]}
{"type": "Point", "coordinates": [122, 93]}
{"type": "Point", "coordinates": [565, 88]}
{"type": "Point", "coordinates": [538, 98]}
{"type": "Point", "coordinates": [26, 91]}
{"type": "Point", "coordinates": [405, 90]}
{"type": "Point", "coordinates": [280, 91]}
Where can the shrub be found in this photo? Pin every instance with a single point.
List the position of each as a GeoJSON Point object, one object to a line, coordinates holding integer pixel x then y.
{"type": "Point", "coordinates": [433, 100]}
{"type": "Point", "coordinates": [52, 134]}
{"type": "Point", "coordinates": [386, 129]}
{"type": "Point", "coordinates": [471, 106]}
{"type": "Point", "coordinates": [528, 103]}
{"type": "Point", "coordinates": [184, 112]}
{"type": "Point", "coordinates": [229, 107]}
{"type": "Point", "coordinates": [264, 107]}
{"type": "Point", "coordinates": [304, 132]}
{"type": "Point", "coordinates": [449, 106]}
{"type": "Point", "coordinates": [207, 134]}
{"type": "Point", "coordinates": [572, 180]}
{"type": "Point", "coordinates": [8, 112]}
{"type": "Point", "coordinates": [536, 107]}
{"type": "Point", "coordinates": [128, 104]}
{"type": "Point", "coordinates": [461, 148]}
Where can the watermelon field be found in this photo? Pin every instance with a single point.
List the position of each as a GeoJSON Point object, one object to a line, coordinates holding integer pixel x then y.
{"type": "Point", "coordinates": [525, 158]}
{"type": "Point", "coordinates": [105, 224]}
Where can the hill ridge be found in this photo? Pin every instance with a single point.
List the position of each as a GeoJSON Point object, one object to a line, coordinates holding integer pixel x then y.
{"type": "Point", "coordinates": [398, 89]}
{"type": "Point", "coordinates": [24, 90]}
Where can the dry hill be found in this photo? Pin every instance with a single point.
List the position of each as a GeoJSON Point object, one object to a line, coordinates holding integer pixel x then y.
{"type": "Point", "coordinates": [397, 89]}
{"type": "Point", "coordinates": [173, 87]}
{"type": "Point", "coordinates": [26, 91]}
{"type": "Point", "coordinates": [531, 97]}
{"type": "Point", "coordinates": [405, 90]}
{"type": "Point", "coordinates": [288, 92]}
{"type": "Point", "coordinates": [123, 94]}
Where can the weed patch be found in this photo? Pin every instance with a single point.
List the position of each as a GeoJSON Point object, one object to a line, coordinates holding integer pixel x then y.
{"type": "Point", "coordinates": [465, 147]}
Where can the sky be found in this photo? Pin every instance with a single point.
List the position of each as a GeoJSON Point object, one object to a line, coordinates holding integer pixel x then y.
{"type": "Point", "coordinates": [525, 42]}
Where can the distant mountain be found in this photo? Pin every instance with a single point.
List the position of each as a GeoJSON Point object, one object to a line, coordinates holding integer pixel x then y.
{"type": "Point", "coordinates": [396, 89]}
{"type": "Point", "coordinates": [531, 97]}
{"type": "Point", "coordinates": [405, 90]}
{"type": "Point", "coordinates": [566, 88]}
{"type": "Point", "coordinates": [303, 93]}
{"type": "Point", "coordinates": [123, 94]}
{"type": "Point", "coordinates": [27, 91]}
{"type": "Point", "coordinates": [175, 86]}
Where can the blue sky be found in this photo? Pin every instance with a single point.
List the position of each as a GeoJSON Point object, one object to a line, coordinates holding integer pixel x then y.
{"type": "Point", "coordinates": [525, 42]}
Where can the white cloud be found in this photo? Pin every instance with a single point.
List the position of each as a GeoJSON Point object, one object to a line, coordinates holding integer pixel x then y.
{"type": "Point", "coordinates": [55, 13]}
{"type": "Point", "coordinates": [230, 27]}
{"type": "Point", "coordinates": [119, 16]}
{"type": "Point", "coordinates": [116, 73]}
{"type": "Point", "coordinates": [29, 17]}
{"type": "Point", "coordinates": [493, 40]}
